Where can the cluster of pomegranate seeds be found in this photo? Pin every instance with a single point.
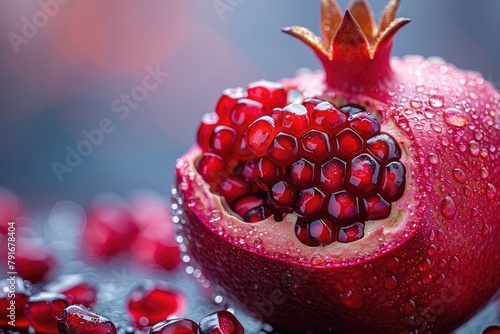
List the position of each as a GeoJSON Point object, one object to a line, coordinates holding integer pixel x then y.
{"type": "Point", "coordinates": [13, 296]}
{"type": "Point", "coordinates": [331, 166]}
{"type": "Point", "coordinates": [77, 319]}
{"type": "Point", "coordinates": [43, 309]}
{"type": "Point", "coordinates": [75, 287]}
{"type": "Point", "coordinates": [151, 302]}
{"type": "Point", "coordinates": [227, 163]}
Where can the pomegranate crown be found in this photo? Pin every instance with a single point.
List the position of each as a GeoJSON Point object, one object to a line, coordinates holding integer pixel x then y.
{"type": "Point", "coordinates": [353, 41]}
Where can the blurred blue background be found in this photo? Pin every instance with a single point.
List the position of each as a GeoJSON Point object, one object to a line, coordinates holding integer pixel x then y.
{"type": "Point", "coordinates": [73, 70]}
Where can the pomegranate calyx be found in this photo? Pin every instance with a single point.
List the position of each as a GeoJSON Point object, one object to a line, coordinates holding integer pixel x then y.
{"type": "Point", "coordinates": [355, 53]}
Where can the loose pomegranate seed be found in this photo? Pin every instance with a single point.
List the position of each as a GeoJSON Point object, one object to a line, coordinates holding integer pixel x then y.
{"type": "Point", "coordinates": [110, 227]}
{"type": "Point", "coordinates": [152, 302]}
{"type": "Point", "coordinates": [75, 287]}
{"type": "Point", "coordinates": [331, 166]}
{"type": "Point", "coordinates": [13, 298]}
{"type": "Point", "coordinates": [221, 322]}
{"type": "Point", "coordinates": [175, 326]}
{"type": "Point", "coordinates": [492, 330]}
{"type": "Point", "coordinates": [77, 319]}
{"type": "Point", "coordinates": [43, 310]}
{"type": "Point", "coordinates": [34, 259]}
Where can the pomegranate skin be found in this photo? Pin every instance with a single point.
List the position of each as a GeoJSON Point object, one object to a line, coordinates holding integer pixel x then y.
{"type": "Point", "coordinates": [427, 268]}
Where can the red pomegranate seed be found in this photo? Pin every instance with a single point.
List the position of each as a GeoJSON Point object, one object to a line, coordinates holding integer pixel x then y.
{"type": "Point", "coordinates": [332, 174]}
{"type": "Point", "coordinates": [209, 122]}
{"type": "Point", "coordinates": [43, 310]}
{"type": "Point", "coordinates": [110, 227]}
{"type": "Point", "coordinates": [34, 259]}
{"type": "Point", "coordinates": [13, 298]}
{"type": "Point", "coordinates": [364, 173]}
{"type": "Point", "coordinates": [252, 208]}
{"type": "Point", "coordinates": [270, 94]}
{"type": "Point", "coordinates": [343, 206]}
{"type": "Point", "coordinates": [364, 124]}
{"type": "Point", "coordinates": [492, 330]}
{"type": "Point", "coordinates": [75, 287]}
{"type": "Point", "coordinates": [260, 134]}
{"type": "Point", "coordinates": [233, 188]}
{"type": "Point", "coordinates": [283, 149]}
{"type": "Point", "coordinates": [282, 196]}
{"type": "Point", "coordinates": [351, 233]}
{"type": "Point", "coordinates": [175, 326]}
{"type": "Point", "coordinates": [265, 172]}
{"type": "Point", "coordinates": [221, 322]}
{"type": "Point", "coordinates": [245, 112]}
{"type": "Point", "coordinates": [213, 168]}
{"type": "Point", "coordinates": [348, 144]}
{"type": "Point", "coordinates": [292, 118]}
{"type": "Point", "coordinates": [223, 139]}
{"type": "Point", "coordinates": [376, 207]}
{"type": "Point", "coordinates": [302, 172]}
{"type": "Point", "coordinates": [228, 100]}
{"type": "Point", "coordinates": [383, 147]}
{"type": "Point", "coordinates": [77, 319]}
{"type": "Point", "coordinates": [309, 202]}
{"type": "Point", "coordinates": [322, 232]}
{"type": "Point", "coordinates": [328, 116]}
{"type": "Point", "coordinates": [152, 302]}
{"type": "Point", "coordinates": [393, 181]}
{"type": "Point", "coordinates": [315, 143]}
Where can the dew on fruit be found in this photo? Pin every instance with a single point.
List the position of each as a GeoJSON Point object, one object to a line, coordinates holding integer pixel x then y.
{"type": "Point", "coordinates": [432, 235]}
{"type": "Point", "coordinates": [440, 279]}
{"type": "Point", "coordinates": [436, 101]}
{"type": "Point", "coordinates": [454, 117]}
{"type": "Point", "coordinates": [317, 260]}
{"type": "Point", "coordinates": [420, 88]}
{"type": "Point", "coordinates": [393, 263]}
{"type": "Point", "coordinates": [490, 191]}
{"type": "Point", "coordinates": [474, 148]}
{"type": "Point", "coordinates": [440, 235]}
{"type": "Point", "coordinates": [429, 112]}
{"type": "Point", "coordinates": [408, 307]}
{"type": "Point", "coordinates": [459, 175]}
{"type": "Point", "coordinates": [431, 250]}
{"type": "Point", "coordinates": [454, 262]}
{"type": "Point", "coordinates": [351, 299]}
{"type": "Point", "coordinates": [442, 263]}
{"type": "Point", "coordinates": [433, 158]}
{"type": "Point", "coordinates": [448, 208]}
{"type": "Point", "coordinates": [425, 265]}
{"type": "Point", "coordinates": [416, 103]}
{"type": "Point", "coordinates": [427, 279]}
{"type": "Point", "coordinates": [484, 173]}
{"type": "Point", "coordinates": [391, 282]}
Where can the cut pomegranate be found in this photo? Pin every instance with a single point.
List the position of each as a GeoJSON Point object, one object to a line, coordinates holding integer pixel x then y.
{"type": "Point", "coordinates": [77, 319]}
{"type": "Point", "coordinates": [152, 302]}
{"type": "Point", "coordinates": [175, 326]}
{"type": "Point", "coordinates": [13, 298]}
{"type": "Point", "coordinates": [75, 287]}
{"type": "Point", "coordinates": [44, 309]}
{"type": "Point", "coordinates": [221, 322]}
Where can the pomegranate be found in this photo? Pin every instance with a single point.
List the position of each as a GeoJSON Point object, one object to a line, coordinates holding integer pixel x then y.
{"type": "Point", "coordinates": [412, 242]}
{"type": "Point", "coordinates": [77, 319]}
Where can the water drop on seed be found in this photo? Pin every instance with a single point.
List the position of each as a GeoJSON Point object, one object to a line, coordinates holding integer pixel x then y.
{"type": "Point", "coordinates": [448, 208]}
{"type": "Point", "coordinates": [454, 117]}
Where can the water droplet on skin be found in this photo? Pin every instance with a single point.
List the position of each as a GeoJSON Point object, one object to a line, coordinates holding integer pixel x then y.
{"type": "Point", "coordinates": [425, 266]}
{"type": "Point", "coordinates": [436, 127]}
{"type": "Point", "coordinates": [474, 148]}
{"type": "Point", "coordinates": [433, 158]}
{"type": "Point", "coordinates": [441, 235]}
{"type": "Point", "coordinates": [215, 216]}
{"type": "Point", "coordinates": [257, 242]}
{"type": "Point", "coordinates": [373, 280]}
{"type": "Point", "coordinates": [448, 208]}
{"type": "Point", "coordinates": [467, 191]}
{"type": "Point", "coordinates": [484, 173]}
{"type": "Point", "coordinates": [454, 262]}
{"type": "Point", "coordinates": [351, 299]}
{"type": "Point", "coordinates": [408, 307]}
{"type": "Point", "coordinates": [440, 279]}
{"type": "Point", "coordinates": [432, 235]}
{"type": "Point", "coordinates": [474, 212]}
{"type": "Point", "coordinates": [393, 263]}
{"type": "Point", "coordinates": [442, 263]}
{"type": "Point", "coordinates": [317, 260]}
{"type": "Point", "coordinates": [436, 101]}
{"type": "Point", "coordinates": [459, 175]}
{"type": "Point", "coordinates": [391, 282]}
{"type": "Point", "coordinates": [432, 249]}
{"type": "Point", "coordinates": [490, 191]}
{"type": "Point", "coordinates": [454, 117]}
{"type": "Point", "coordinates": [427, 279]}
{"type": "Point", "coordinates": [420, 88]}
{"type": "Point", "coordinates": [417, 104]}
{"type": "Point", "coordinates": [478, 135]}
